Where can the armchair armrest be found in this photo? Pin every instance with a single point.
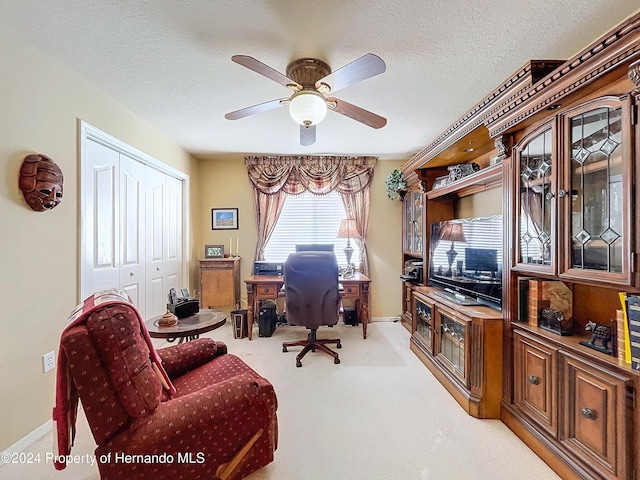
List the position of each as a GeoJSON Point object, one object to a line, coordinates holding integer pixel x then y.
{"type": "Point", "coordinates": [179, 359]}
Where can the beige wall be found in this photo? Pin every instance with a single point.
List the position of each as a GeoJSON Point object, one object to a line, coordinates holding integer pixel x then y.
{"type": "Point", "coordinates": [488, 202]}
{"type": "Point", "coordinates": [223, 183]}
{"type": "Point", "coordinates": [41, 103]}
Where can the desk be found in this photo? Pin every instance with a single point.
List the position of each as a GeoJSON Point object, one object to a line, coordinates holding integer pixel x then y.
{"type": "Point", "coordinates": [267, 287]}
{"type": "Point", "coordinates": [188, 328]}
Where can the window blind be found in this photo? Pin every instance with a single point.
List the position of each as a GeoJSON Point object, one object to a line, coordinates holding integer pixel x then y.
{"type": "Point", "coordinates": [309, 218]}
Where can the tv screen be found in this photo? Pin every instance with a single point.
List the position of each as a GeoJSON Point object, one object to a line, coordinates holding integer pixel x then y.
{"type": "Point", "coordinates": [465, 260]}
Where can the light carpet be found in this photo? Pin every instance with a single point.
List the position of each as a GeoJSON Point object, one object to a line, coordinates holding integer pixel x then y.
{"type": "Point", "coordinates": [378, 415]}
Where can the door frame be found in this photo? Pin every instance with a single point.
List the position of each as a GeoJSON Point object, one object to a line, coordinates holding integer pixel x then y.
{"type": "Point", "coordinates": [89, 132]}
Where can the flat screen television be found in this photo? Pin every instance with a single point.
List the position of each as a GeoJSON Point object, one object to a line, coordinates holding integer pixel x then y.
{"type": "Point", "coordinates": [465, 260]}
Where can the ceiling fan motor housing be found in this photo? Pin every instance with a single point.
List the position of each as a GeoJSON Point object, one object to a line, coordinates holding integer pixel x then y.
{"type": "Point", "coordinates": [307, 71]}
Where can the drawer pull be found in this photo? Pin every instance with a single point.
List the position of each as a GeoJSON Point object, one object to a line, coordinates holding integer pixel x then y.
{"type": "Point", "coordinates": [589, 413]}
{"type": "Point", "coordinates": [533, 380]}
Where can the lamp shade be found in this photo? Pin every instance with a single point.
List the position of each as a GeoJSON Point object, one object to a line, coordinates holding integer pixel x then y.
{"type": "Point", "coordinates": [308, 107]}
{"type": "Point", "coordinates": [453, 232]}
{"type": "Point", "coordinates": [348, 229]}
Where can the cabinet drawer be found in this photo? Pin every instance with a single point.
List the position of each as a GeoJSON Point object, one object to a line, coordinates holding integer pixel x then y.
{"type": "Point", "coordinates": [267, 291]}
{"type": "Point", "coordinates": [351, 291]}
{"type": "Point", "coordinates": [596, 417]}
{"type": "Point", "coordinates": [535, 381]}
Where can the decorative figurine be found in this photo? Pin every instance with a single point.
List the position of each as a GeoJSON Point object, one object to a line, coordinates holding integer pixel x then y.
{"type": "Point", "coordinates": [554, 321]}
{"type": "Point", "coordinates": [461, 170]}
{"type": "Point", "coordinates": [41, 182]}
{"type": "Point", "coordinates": [602, 332]}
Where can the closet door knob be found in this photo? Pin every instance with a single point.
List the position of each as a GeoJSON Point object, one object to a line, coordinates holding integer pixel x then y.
{"type": "Point", "coordinates": [589, 413]}
{"type": "Point", "coordinates": [533, 380]}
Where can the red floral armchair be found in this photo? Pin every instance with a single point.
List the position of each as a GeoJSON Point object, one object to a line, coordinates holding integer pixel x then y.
{"type": "Point", "coordinates": [220, 422]}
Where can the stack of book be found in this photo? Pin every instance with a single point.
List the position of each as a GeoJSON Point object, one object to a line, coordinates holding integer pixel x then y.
{"type": "Point", "coordinates": [631, 329]}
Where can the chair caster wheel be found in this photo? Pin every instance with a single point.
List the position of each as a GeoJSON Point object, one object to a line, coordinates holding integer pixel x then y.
{"type": "Point", "coordinates": [284, 349]}
{"type": "Point", "coordinates": [298, 363]}
{"type": "Point", "coordinates": [338, 345]}
{"type": "Point", "coordinates": [336, 361]}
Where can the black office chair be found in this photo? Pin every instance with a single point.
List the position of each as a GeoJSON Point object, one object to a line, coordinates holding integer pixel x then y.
{"type": "Point", "coordinates": [312, 299]}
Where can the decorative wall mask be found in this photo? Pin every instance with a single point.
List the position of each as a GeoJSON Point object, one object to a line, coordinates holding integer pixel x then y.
{"type": "Point", "coordinates": [41, 182]}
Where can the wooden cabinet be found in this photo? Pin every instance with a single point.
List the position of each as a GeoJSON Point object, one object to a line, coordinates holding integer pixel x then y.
{"type": "Point", "coordinates": [219, 282]}
{"type": "Point", "coordinates": [573, 179]}
{"type": "Point", "coordinates": [462, 346]}
{"type": "Point", "coordinates": [595, 422]}
{"type": "Point", "coordinates": [568, 138]}
{"type": "Point", "coordinates": [535, 382]}
{"type": "Point", "coordinates": [582, 407]}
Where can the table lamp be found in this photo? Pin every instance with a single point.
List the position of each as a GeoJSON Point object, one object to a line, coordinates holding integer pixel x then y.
{"type": "Point", "coordinates": [348, 230]}
{"type": "Point", "coordinates": [453, 232]}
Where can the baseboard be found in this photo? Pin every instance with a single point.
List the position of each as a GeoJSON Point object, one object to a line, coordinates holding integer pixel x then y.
{"type": "Point", "coordinates": [30, 438]}
{"type": "Point", "coordinates": [383, 319]}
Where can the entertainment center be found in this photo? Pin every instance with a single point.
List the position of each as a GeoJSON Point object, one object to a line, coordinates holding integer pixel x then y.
{"type": "Point", "coordinates": [556, 148]}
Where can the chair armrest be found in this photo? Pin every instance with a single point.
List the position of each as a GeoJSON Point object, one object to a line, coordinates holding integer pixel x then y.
{"type": "Point", "coordinates": [166, 429]}
{"type": "Point", "coordinates": [180, 359]}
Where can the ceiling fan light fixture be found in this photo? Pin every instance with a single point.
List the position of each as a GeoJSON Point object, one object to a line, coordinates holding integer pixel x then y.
{"type": "Point", "coordinates": [308, 107]}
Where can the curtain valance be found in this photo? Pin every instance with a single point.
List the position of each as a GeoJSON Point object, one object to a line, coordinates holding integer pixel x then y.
{"type": "Point", "coordinates": [317, 174]}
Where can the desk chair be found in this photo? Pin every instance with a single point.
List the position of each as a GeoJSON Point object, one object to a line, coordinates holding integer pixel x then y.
{"type": "Point", "coordinates": [312, 299]}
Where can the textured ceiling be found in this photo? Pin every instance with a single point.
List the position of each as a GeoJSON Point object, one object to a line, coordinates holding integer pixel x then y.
{"type": "Point", "coordinates": [169, 62]}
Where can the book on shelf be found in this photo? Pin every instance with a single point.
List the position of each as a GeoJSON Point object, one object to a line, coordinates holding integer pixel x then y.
{"type": "Point", "coordinates": [631, 313]}
{"type": "Point", "coordinates": [620, 344]}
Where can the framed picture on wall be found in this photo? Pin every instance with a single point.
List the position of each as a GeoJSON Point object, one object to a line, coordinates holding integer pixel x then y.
{"type": "Point", "coordinates": [224, 219]}
{"type": "Point", "coordinates": [213, 251]}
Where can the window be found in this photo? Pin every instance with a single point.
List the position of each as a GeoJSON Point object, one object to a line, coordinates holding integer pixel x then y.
{"type": "Point", "coordinates": [309, 218]}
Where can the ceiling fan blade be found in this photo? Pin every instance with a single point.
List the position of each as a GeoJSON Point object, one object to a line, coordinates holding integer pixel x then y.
{"type": "Point", "coordinates": [367, 66]}
{"type": "Point", "coordinates": [356, 113]}
{"type": "Point", "coordinates": [266, 71]}
{"type": "Point", "coordinates": [259, 108]}
{"type": "Point", "coordinates": [307, 135]}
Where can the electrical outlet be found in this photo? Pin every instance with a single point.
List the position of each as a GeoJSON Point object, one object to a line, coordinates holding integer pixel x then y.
{"type": "Point", "coordinates": [48, 361]}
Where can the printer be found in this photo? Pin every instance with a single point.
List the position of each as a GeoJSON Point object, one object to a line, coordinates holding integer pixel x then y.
{"type": "Point", "coordinates": [268, 268]}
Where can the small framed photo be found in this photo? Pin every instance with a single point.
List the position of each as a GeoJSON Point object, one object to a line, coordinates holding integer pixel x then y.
{"type": "Point", "coordinates": [441, 182]}
{"type": "Point", "coordinates": [214, 251]}
{"type": "Point", "coordinates": [224, 219]}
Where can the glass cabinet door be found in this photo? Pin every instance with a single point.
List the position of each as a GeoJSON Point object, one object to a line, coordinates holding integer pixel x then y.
{"type": "Point", "coordinates": [424, 322]}
{"type": "Point", "coordinates": [535, 248]}
{"type": "Point", "coordinates": [451, 344]}
{"type": "Point", "coordinates": [597, 180]}
{"type": "Point", "coordinates": [408, 223]}
{"type": "Point", "coordinates": [413, 213]}
{"type": "Point", "coordinates": [417, 223]}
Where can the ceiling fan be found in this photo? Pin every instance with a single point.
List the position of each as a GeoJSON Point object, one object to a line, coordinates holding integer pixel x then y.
{"type": "Point", "coordinates": [311, 81]}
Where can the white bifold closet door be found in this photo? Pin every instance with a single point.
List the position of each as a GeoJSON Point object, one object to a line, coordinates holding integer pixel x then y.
{"type": "Point", "coordinates": [132, 228]}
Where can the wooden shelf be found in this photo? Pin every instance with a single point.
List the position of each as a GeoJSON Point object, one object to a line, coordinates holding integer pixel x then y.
{"type": "Point", "coordinates": [481, 180]}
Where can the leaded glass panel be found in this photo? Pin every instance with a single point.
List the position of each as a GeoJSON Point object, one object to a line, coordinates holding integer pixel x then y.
{"type": "Point", "coordinates": [536, 168]}
{"type": "Point", "coordinates": [596, 190]}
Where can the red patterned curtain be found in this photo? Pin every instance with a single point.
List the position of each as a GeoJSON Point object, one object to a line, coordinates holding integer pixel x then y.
{"type": "Point", "coordinates": [273, 177]}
